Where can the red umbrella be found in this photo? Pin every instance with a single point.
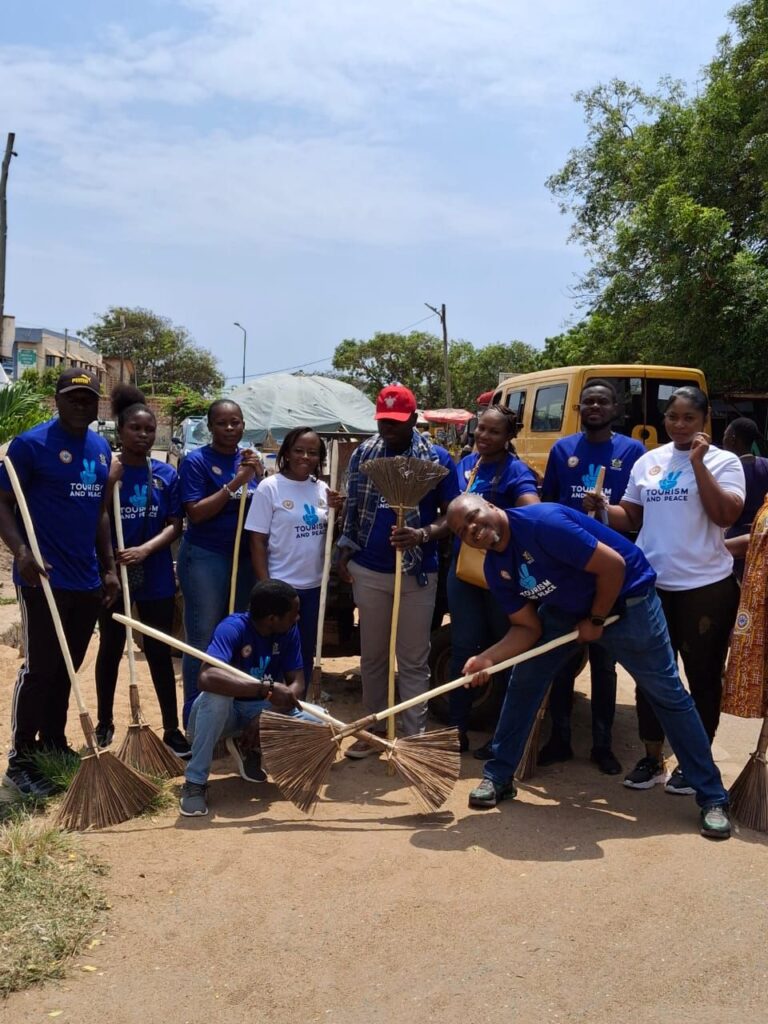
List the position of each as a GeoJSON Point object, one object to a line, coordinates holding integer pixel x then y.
{"type": "Point", "coordinates": [457, 416]}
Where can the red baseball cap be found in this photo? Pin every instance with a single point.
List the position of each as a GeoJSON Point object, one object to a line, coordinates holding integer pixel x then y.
{"type": "Point", "coordinates": [395, 402]}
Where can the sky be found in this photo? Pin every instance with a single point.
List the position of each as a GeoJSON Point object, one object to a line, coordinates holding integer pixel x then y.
{"type": "Point", "coordinates": [314, 169]}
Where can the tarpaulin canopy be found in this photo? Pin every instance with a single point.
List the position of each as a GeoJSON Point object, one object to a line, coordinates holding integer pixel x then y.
{"type": "Point", "coordinates": [277, 403]}
{"type": "Point", "coordinates": [457, 416]}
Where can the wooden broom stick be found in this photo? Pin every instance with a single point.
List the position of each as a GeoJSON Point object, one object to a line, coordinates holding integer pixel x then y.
{"type": "Point", "coordinates": [133, 689]}
{"type": "Point", "coordinates": [317, 667]}
{"type": "Point", "coordinates": [236, 554]}
{"type": "Point", "coordinates": [393, 634]}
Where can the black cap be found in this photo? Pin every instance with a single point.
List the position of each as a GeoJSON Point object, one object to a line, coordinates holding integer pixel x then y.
{"type": "Point", "coordinates": [75, 379]}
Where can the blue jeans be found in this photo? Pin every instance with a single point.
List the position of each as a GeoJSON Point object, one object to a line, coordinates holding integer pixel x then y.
{"type": "Point", "coordinates": [602, 670]}
{"type": "Point", "coordinates": [640, 643]}
{"type": "Point", "coordinates": [214, 717]}
{"type": "Point", "coordinates": [309, 609]}
{"type": "Point", "coordinates": [477, 622]}
{"type": "Point", "coordinates": [204, 578]}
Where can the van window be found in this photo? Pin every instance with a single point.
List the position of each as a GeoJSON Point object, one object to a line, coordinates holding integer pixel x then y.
{"type": "Point", "coordinates": [643, 400]}
{"type": "Point", "coordinates": [548, 407]}
{"type": "Point", "coordinates": [516, 402]}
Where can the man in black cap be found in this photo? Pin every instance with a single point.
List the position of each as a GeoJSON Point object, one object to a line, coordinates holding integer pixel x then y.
{"type": "Point", "coordinates": [63, 468]}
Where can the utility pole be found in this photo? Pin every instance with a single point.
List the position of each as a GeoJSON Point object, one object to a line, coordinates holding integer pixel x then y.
{"type": "Point", "coordinates": [122, 350]}
{"type": "Point", "coordinates": [66, 348]}
{"type": "Point", "coordinates": [9, 152]}
{"type": "Point", "coordinates": [446, 369]}
{"type": "Point", "coordinates": [245, 338]}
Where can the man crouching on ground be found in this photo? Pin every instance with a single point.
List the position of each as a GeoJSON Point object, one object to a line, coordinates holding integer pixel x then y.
{"type": "Point", "coordinates": [578, 572]}
{"type": "Point", "coordinates": [265, 643]}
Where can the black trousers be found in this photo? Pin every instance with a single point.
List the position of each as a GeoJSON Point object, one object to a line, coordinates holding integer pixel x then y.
{"type": "Point", "coordinates": [700, 623]}
{"type": "Point", "coordinates": [157, 613]}
{"type": "Point", "coordinates": [41, 694]}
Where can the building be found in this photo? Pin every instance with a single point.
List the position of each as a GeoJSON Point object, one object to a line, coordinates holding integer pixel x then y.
{"type": "Point", "coordinates": [39, 348]}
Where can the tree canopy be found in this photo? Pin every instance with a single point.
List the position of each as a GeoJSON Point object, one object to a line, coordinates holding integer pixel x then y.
{"type": "Point", "coordinates": [416, 360]}
{"type": "Point", "coordinates": [163, 354]}
{"type": "Point", "coordinates": [668, 197]}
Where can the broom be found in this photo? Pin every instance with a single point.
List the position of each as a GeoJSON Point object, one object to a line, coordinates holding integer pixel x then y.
{"type": "Point", "coordinates": [317, 667]}
{"type": "Point", "coordinates": [298, 756]}
{"type": "Point", "coordinates": [104, 791]}
{"type": "Point", "coordinates": [142, 749]}
{"type": "Point", "coordinates": [403, 481]}
{"type": "Point", "coordinates": [748, 795]}
{"type": "Point", "coordinates": [236, 554]}
{"type": "Point", "coordinates": [529, 761]}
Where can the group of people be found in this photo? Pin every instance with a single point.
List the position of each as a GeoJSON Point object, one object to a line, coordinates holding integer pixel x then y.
{"type": "Point", "coordinates": [648, 545]}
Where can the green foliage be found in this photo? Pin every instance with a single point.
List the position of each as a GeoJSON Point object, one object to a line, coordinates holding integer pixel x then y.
{"type": "Point", "coordinates": [668, 197]}
{"type": "Point", "coordinates": [43, 383]}
{"type": "Point", "coordinates": [416, 360]}
{"type": "Point", "coordinates": [182, 402]}
{"type": "Point", "coordinates": [21, 408]}
{"type": "Point", "coordinates": [162, 353]}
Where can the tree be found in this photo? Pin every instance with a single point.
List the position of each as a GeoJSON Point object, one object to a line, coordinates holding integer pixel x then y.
{"type": "Point", "coordinates": [162, 353]}
{"type": "Point", "coordinates": [43, 383]}
{"type": "Point", "coordinates": [21, 408]}
{"type": "Point", "coordinates": [183, 401]}
{"type": "Point", "coordinates": [668, 199]}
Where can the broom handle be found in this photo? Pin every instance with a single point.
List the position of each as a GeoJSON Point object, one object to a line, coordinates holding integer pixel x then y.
{"type": "Point", "coordinates": [236, 555]}
{"type": "Point", "coordinates": [598, 487]}
{"type": "Point", "coordinates": [135, 708]}
{"type": "Point", "coordinates": [334, 481]}
{"type": "Point", "coordinates": [48, 591]}
{"type": "Point", "coordinates": [454, 684]}
{"type": "Point", "coordinates": [393, 631]}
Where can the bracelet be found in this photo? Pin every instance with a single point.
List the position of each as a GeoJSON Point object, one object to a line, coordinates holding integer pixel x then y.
{"type": "Point", "coordinates": [226, 487]}
{"type": "Point", "coordinates": [425, 535]}
{"type": "Point", "coordinates": [268, 694]}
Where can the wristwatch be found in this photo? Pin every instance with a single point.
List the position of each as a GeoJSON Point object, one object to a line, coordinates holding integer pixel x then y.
{"type": "Point", "coordinates": [597, 620]}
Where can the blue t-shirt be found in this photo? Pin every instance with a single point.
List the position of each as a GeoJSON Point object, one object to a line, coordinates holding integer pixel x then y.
{"type": "Point", "coordinates": [236, 641]}
{"type": "Point", "coordinates": [378, 554]}
{"type": "Point", "coordinates": [514, 480]}
{"type": "Point", "coordinates": [574, 462]}
{"type": "Point", "coordinates": [545, 558]}
{"type": "Point", "coordinates": [63, 478]}
{"type": "Point", "coordinates": [204, 472]}
{"type": "Point", "coordinates": [165, 503]}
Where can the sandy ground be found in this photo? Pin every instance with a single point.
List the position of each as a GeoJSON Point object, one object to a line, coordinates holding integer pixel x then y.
{"type": "Point", "coordinates": [580, 901]}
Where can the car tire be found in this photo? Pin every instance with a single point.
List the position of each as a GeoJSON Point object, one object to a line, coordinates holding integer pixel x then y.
{"type": "Point", "coordinates": [487, 700]}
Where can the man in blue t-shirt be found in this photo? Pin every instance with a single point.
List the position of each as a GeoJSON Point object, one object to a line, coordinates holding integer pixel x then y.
{"type": "Point", "coordinates": [367, 561]}
{"type": "Point", "coordinates": [264, 643]}
{"type": "Point", "coordinates": [555, 570]}
{"type": "Point", "coordinates": [62, 467]}
{"type": "Point", "coordinates": [572, 469]}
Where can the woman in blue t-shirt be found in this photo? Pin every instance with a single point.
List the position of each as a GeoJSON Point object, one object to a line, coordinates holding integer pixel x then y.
{"type": "Point", "coordinates": [211, 479]}
{"type": "Point", "coordinates": [494, 471]}
{"type": "Point", "coordinates": [151, 516]}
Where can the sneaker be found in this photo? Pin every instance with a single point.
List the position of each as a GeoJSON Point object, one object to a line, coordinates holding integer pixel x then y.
{"type": "Point", "coordinates": [484, 753]}
{"type": "Point", "coordinates": [177, 742]}
{"type": "Point", "coordinates": [192, 802]}
{"type": "Point", "coordinates": [606, 760]}
{"type": "Point", "coordinates": [715, 823]}
{"type": "Point", "coordinates": [677, 784]}
{"type": "Point", "coordinates": [646, 774]}
{"type": "Point", "coordinates": [361, 749]}
{"type": "Point", "coordinates": [554, 751]}
{"type": "Point", "coordinates": [27, 781]}
{"type": "Point", "coordinates": [104, 735]}
{"type": "Point", "coordinates": [248, 762]}
{"type": "Point", "coordinates": [489, 793]}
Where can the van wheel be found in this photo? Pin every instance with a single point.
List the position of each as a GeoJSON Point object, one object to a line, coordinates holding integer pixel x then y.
{"type": "Point", "coordinates": [487, 700]}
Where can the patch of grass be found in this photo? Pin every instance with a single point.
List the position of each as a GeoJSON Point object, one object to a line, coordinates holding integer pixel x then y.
{"type": "Point", "coordinates": [50, 901]}
{"type": "Point", "coordinates": [59, 768]}
{"type": "Point", "coordinates": [7, 600]}
{"type": "Point", "coordinates": [165, 798]}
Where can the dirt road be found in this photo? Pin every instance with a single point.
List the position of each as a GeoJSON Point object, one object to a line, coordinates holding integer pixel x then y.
{"type": "Point", "coordinates": [580, 901]}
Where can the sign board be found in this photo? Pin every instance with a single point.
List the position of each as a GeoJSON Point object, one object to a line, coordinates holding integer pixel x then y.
{"type": "Point", "coordinates": [26, 357]}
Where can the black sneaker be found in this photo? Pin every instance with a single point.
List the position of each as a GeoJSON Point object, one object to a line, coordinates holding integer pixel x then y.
{"type": "Point", "coordinates": [678, 785]}
{"type": "Point", "coordinates": [248, 762]}
{"type": "Point", "coordinates": [484, 753]}
{"type": "Point", "coordinates": [27, 781]}
{"type": "Point", "coordinates": [104, 735]}
{"type": "Point", "coordinates": [554, 751]}
{"type": "Point", "coordinates": [177, 742]}
{"type": "Point", "coordinates": [489, 793]}
{"type": "Point", "coordinates": [715, 823]}
{"type": "Point", "coordinates": [646, 774]}
{"type": "Point", "coordinates": [192, 802]}
{"type": "Point", "coordinates": [606, 760]}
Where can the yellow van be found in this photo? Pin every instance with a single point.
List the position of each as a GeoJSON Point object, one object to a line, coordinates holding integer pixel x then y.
{"type": "Point", "coordinates": [547, 403]}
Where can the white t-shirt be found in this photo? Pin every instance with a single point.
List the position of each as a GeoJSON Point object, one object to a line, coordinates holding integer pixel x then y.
{"type": "Point", "coordinates": [294, 515]}
{"type": "Point", "coordinates": [683, 545]}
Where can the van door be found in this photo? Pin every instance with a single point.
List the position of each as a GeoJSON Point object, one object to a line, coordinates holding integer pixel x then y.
{"type": "Point", "coordinates": [546, 421]}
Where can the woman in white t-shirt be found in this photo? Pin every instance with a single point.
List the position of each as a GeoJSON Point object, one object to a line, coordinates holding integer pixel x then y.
{"type": "Point", "coordinates": [287, 520]}
{"type": "Point", "coordinates": [681, 497]}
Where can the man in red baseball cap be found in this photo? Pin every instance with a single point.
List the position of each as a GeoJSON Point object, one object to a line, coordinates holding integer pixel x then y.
{"type": "Point", "coordinates": [367, 561]}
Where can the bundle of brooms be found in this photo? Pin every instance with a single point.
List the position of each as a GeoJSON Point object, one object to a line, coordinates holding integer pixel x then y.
{"type": "Point", "coordinates": [142, 749]}
{"type": "Point", "coordinates": [298, 763]}
{"type": "Point", "coordinates": [104, 791]}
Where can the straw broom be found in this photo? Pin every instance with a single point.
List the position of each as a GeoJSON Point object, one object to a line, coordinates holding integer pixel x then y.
{"type": "Point", "coordinates": [403, 481]}
{"type": "Point", "coordinates": [104, 791]}
{"type": "Point", "coordinates": [142, 749]}
{"type": "Point", "coordinates": [317, 667]}
{"type": "Point", "coordinates": [299, 756]}
{"type": "Point", "coordinates": [529, 761]}
{"type": "Point", "coordinates": [748, 795]}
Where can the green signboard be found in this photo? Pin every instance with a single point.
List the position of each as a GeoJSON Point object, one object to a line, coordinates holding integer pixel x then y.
{"type": "Point", "coordinates": [26, 357]}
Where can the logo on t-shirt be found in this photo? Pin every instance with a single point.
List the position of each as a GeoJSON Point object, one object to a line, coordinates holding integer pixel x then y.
{"type": "Point", "coordinates": [310, 525]}
{"type": "Point", "coordinates": [530, 586]}
{"type": "Point", "coordinates": [217, 471]}
{"type": "Point", "coordinates": [88, 486]}
{"type": "Point", "coordinates": [259, 670]}
{"type": "Point", "coordinates": [288, 504]}
{"type": "Point", "coordinates": [654, 471]}
{"type": "Point", "coordinates": [310, 516]}
{"type": "Point", "coordinates": [65, 456]}
{"type": "Point", "coordinates": [573, 461]}
{"type": "Point", "coordinates": [669, 482]}
{"type": "Point", "coordinates": [616, 463]}
{"type": "Point", "coordinates": [139, 497]}
{"type": "Point", "coordinates": [246, 651]}
{"type": "Point", "coordinates": [589, 479]}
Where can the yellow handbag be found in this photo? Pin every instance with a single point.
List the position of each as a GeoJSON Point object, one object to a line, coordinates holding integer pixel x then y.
{"type": "Point", "coordinates": [471, 561]}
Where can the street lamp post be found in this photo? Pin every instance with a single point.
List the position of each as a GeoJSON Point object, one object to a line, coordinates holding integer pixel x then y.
{"type": "Point", "coordinates": [245, 338]}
